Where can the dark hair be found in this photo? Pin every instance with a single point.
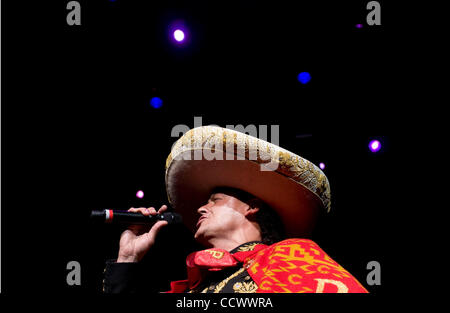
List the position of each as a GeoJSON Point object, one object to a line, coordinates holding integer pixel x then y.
{"type": "Point", "coordinates": [272, 229]}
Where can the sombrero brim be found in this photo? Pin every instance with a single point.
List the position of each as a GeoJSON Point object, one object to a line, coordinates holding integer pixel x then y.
{"type": "Point", "coordinates": [288, 189]}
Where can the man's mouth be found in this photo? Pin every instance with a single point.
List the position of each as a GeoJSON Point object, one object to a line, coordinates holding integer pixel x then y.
{"type": "Point", "coordinates": [200, 220]}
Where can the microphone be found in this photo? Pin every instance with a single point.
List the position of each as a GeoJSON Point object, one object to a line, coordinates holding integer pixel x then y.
{"type": "Point", "coordinates": [132, 218]}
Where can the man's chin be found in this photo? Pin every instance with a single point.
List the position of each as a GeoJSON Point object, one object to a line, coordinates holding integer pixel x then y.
{"type": "Point", "coordinates": [199, 236]}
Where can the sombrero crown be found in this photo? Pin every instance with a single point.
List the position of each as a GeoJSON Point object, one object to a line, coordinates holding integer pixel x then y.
{"type": "Point", "coordinates": [208, 157]}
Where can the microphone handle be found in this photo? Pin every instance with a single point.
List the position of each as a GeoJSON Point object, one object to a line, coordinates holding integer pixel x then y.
{"type": "Point", "coordinates": [132, 218]}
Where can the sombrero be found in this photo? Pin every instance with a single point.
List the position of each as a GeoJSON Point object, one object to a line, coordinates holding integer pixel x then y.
{"type": "Point", "coordinates": [208, 157]}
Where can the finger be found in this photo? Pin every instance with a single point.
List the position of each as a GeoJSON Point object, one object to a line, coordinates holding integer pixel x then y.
{"type": "Point", "coordinates": [156, 228]}
{"type": "Point", "coordinates": [152, 210]}
{"type": "Point", "coordinates": [162, 209]}
{"type": "Point", "coordinates": [137, 210]}
{"type": "Point", "coordinates": [143, 211]}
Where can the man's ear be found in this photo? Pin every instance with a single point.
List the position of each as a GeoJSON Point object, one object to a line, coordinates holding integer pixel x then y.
{"type": "Point", "coordinates": [253, 208]}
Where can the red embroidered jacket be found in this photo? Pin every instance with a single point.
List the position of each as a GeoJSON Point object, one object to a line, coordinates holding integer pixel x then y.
{"type": "Point", "coordinates": [300, 265]}
{"type": "Point", "coordinates": [292, 265]}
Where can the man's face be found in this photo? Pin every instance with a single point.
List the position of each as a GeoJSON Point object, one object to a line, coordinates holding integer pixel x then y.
{"type": "Point", "coordinates": [222, 215]}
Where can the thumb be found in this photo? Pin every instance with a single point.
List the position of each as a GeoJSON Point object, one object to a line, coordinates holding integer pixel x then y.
{"type": "Point", "coordinates": [156, 228]}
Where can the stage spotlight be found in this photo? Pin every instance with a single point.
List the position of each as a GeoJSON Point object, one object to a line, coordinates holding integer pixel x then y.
{"type": "Point", "coordinates": [178, 35]}
{"type": "Point", "coordinates": [156, 102]}
{"type": "Point", "coordinates": [304, 77]}
{"type": "Point", "coordinates": [140, 194]}
{"type": "Point", "coordinates": [322, 165]}
{"type": "Point", "coordinates": [374, 145]}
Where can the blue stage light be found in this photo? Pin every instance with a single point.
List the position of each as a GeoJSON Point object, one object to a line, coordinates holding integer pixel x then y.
{"type": "Point", "coordinates": [156, 102]}
{"type": "Point", "coordinates": [304, 77]}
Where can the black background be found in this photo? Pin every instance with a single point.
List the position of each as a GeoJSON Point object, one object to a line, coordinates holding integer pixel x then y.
{"type": "Point", "coordinates": [79, 132]}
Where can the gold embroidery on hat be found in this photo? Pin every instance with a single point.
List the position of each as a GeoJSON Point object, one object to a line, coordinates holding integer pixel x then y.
{"type": "Point", "coordinates": [299, 169]}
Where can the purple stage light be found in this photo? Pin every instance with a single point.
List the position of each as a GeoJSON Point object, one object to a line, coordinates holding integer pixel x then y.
{"type": "Point", "coordinates": [322, 165]}
{"type": "Point", "coordinates": [359, 25]}
{"type": "Point", "coordinates": [140, 194]}
{"type": "Point", "coordinates": [374, 145]}
{"type": "Point", "coordinates": [178, 35]}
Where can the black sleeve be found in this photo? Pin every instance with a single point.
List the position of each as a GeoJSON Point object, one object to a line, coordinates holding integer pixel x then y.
{"type": "Point", "coordinates": [122, 277]}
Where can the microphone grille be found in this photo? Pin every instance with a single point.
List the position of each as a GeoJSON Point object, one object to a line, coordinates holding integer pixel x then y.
{"type": "Point", "coordinates": [173, 218]}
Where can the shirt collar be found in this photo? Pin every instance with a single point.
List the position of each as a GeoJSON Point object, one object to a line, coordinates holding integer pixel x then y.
{"type": "Point", "coordinates": [248, 246]}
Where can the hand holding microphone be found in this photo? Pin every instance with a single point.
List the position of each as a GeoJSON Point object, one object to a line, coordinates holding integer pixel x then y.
{"type": "Point", "coordinates": [138, 239]}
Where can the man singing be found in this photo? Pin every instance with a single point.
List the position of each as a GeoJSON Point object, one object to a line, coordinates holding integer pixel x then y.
{"type": "Point", "coordinates": [252, 205]}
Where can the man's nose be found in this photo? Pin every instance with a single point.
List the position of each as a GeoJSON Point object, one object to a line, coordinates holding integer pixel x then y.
{"type": "Point", "coordinates": [202, 210]}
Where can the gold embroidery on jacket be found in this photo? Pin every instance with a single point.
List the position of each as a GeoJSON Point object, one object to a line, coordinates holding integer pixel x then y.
{"type": "Point", "coordinates": [215, 254]}
{"type": "Point", "coordinates": [222, 284]}
{"type": "Point", "coordinates": [245, 287]}
{"type": "Point", "coordinates": [247, 247]}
